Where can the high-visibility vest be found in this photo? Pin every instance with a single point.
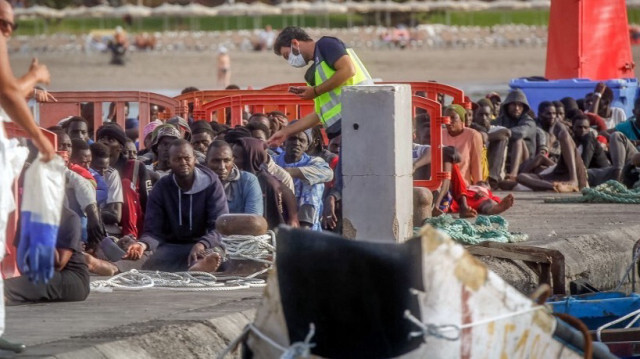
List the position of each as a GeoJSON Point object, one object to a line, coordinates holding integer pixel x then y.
{"type": "Point", "coordinates": [328, 105]}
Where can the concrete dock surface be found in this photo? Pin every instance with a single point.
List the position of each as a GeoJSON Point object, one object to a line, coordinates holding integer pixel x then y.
{"type": "Point", "coordinates": [595, 239]}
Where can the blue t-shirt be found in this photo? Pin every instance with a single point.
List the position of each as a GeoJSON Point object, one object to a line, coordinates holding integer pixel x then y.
{"type": "Point", "coordinates": [630, 129]}
{"type": "Point", "coordinates": [330, 48]}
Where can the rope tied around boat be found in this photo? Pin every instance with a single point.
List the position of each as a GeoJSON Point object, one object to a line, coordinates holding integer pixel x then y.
{"type": "Point", "coordinates": [486, 228]}
{"type": "Point", "coordinates": [297, 350]}
{"type": "Point", "coordinates": [439, 331]}
{"type": "Point", "coordinates": [609, 192]}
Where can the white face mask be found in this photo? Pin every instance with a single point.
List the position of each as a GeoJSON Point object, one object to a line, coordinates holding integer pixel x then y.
{"type": "Point", "coordinates": [296, 60]}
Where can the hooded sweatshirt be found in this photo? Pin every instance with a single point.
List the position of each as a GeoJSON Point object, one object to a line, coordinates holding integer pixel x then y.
{"type": "Point", "coordinates": [185, 217]}
{"type": "Point", "coordinates": [523, 127]}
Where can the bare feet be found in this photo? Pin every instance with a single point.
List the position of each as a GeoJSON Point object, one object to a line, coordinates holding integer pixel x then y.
{"type": "Point", "coordinates": [505, 204]}
{"type": "Point", "coordinates": [468, 212]}
{"type": "Point", "coordinates": [565, 187]}
{"type": "Point", "coordinates": [208, 264]}
{"type": "Point", "coordinates": [99, 266]}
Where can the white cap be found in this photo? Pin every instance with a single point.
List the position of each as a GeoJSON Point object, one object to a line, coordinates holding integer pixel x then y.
{"type": "Point", "coordinates": [222, 50]}
{"type": "Point", "coordinates": [118, 29]}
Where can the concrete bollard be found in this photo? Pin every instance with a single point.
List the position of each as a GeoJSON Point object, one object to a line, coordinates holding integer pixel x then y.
{"type": "Point", "coordinates": [376, 163]}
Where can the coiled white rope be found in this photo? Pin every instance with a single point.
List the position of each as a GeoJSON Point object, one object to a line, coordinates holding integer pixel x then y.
{"type": "Point", "coordinates": [295, 351]}
{"type": "Point", "coordinates": [256, 248]}
{"type": "Point", "coordinates": [182, 281]}
{"type": "Point", "coordinates": [239, 247]}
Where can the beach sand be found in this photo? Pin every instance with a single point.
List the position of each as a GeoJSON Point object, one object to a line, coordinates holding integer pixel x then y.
{"type": "Point", "coordinates": [475, 70]}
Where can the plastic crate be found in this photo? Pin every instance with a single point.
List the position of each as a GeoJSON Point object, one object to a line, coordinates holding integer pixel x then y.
{"type": "Point", "coordinates": [624, 91]}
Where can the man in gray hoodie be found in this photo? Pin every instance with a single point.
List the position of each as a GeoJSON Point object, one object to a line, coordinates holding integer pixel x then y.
{"type": "Point", "coordinates": [522, 143]}
{"type": "Point", "coordinates": [181, 215]}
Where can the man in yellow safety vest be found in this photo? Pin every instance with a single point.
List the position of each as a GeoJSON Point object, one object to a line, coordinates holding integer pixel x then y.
{"type": "Point", "coordinates": [334, 66]}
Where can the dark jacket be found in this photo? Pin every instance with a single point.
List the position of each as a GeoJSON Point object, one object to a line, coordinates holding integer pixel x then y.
{"type": "Point", "coordinates": [593, 155]}
{"type": "Point", "coordinates": [176, 216]}
{"type": "Point", "coordinates": [523, 127]}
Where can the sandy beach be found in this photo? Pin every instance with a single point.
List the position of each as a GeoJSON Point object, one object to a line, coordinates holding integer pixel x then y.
{"type": "Point", "coordinates": [475, 70]}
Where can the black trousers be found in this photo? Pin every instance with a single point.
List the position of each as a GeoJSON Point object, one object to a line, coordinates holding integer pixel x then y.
{"type": "Point", "coordinates": [65, 286]}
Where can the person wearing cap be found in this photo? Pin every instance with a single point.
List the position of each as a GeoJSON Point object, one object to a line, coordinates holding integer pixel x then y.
{"type": "Point", "coordinates": [224, 67]}
{"type": "Point", "coordinates": [309, 175]}
{"type": "Point", "coordinates": [146, 155]}
{"type": "Point", "coordinates": [114, 137]}
{"type": "Point", "coordinates": [131, 129]}
{"type": "Point", "coordinates": [496, 101]}
{"type": "Point", "coordinates": [467, 141]}
{"type": "Point", "coordinates": [163, 136]}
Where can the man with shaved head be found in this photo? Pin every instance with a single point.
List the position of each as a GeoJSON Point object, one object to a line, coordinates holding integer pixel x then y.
{"type": "Point", "coordinates": [13, 106]}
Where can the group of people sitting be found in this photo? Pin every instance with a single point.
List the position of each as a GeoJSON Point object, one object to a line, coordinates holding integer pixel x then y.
{"type": "Point", "coordinates": [497, 144]}
{"type": "Point", "coordinates": [150, 200]}
{"type": "Point", "coordinates": [156, 209]}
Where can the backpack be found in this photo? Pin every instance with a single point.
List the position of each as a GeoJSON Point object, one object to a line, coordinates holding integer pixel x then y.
{"type": "Point", "coordinates": [132, 215]}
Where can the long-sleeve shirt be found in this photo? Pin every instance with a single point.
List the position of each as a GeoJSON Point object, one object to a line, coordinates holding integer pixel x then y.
{"type": "Point", "coordinates": [523, 128]}
{"type": "Point", "coordinates": [177, 216]}
{"type": "Point", "coordinates": [469, 145]}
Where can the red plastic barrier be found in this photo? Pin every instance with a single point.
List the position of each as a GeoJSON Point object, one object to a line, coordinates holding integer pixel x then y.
{"type": "Point", "coordinates": [434, 109]}
{"type": "Point", "coordinates": [69, 105]}
{"type": "Point", "coordinates": [430, 90]}
{"type": "Point", "coordinates": [589, 39]}
{"type": "Point", "coordinates": [264, 99]}
{"type": "Point", "coordinates": [8, 266]}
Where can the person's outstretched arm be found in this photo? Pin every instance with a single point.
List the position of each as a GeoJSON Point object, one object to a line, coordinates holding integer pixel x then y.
{"type": "Point", "coordinates": [12, 101]}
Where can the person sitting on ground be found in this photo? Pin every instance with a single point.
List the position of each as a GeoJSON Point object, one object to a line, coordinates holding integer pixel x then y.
{"type": "Point", "coordinates": [164, 135]}
{"type": "Point", "coordinates": [145, 155]}
{"type": "Point", "coordinates": [77, 127]}
{"type": "Point", "coordinates": [111, 207]}
{"type": "Point", "coordinates": [496, 139]}
{"type": "Point", "coordinates": [566, 171]}
{"type": "Point", "coordinates": [70, 281]}
{"type": "Point", "coordinates": [260, 131]}
{"type": "Point", "coordinates": [522, 143]}
{"type": "Point", "coordinates": [180, 221]}
{"type": "Point", "coordinates": [621, 152]}
{"type": "Point", "coordinates": [241, 188]}
{"type": "Point", "coordinates": [592, 154]}
{"type": "Point", "coordinates": [277, 120]}
{"type": "Point", "coordinates": [232, 137]}
{"type": "Point", "coordinates": [280, 204]}
{"type": "Point", "coordinates": [80, 190]}
{"type": "Point", "coordinates": [134, 175]}
{"type": "Point", "coordinates": [496, 101]}
{"type": "Point", "coordinates": [467, 141]}
{"type": "Point", "coordinates": [631, 127]}
{"type": "Point", "coordinates": [561, 113]}
{"type": "Point", "coordinates": [601, 105]}
{"type": "Point", "coordinates": [309, 175]}
{"type": "Point", "coordinates": [201, 136]}
{"type": "Point", "coordinates": [130, 150]}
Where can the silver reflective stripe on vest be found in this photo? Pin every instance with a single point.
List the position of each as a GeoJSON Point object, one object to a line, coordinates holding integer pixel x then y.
{"type": "Point", "coordinates": [335, 99]}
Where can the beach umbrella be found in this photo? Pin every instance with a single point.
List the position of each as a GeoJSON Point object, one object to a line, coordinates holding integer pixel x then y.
{"type": "Point", "coordinates": [509, 5]}
{"type": "Point", "coordinates": [357, 6]}
{"type": "Point", "coordinates": [325, 7]}
{"type": "Point", "coordinates": [234, 9]}
{"type": "Point", "coordinates": [39, 11]}
{"type": "Point", "coordinates": [131, 10]}
{"type": "Point", "coordinates": [99, 11]}
{"type": "Point", "coordinates": [540, 4]}
{"type": "Point", "coordinates": [295, 7]}
{"type": "Point", "coordinates": [260, 9]}
{"type": "Point", "coordinates": [167, 9]}
{"type": "Point", "coordinates": [75, 12]}
{"type": "Point", "coordinates": [419, 6]}
{"type": "Point", "coordinates": [197, 10]}
{"type": "Point", "coordinates": [388, 6]}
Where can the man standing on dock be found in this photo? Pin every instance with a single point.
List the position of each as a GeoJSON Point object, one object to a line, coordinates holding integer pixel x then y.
{"type": "Point", "coordinates": [334, 66]}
